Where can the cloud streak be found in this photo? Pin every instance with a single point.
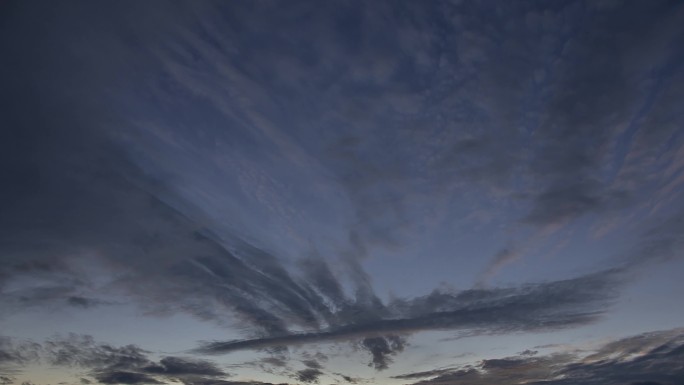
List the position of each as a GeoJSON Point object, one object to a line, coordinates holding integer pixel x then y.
{"type": "Point", "coordinates": [650, 358]}
{"type": "Point", "coordinates": [545, 306]}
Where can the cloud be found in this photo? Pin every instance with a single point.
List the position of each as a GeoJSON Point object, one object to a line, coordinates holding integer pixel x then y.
{"type": "Point", "coordinates": [382, 348]}
{"type": "Point", "coordinates": [83, 351]}
{"type": "Point", "coordinates": [312, 364]}
{"type": "Point", "coordinates": [500, 259]}
{"type": "Point", "coordinates": [15, 354]}
{"type": "Point", "coordinates": [650, 358]}
{"type": "Point", "coordinates": [92, 185]}
{"type": "Point", "coordinates": [323, 280]}
{"type": "Point", "coordinates": [176, 366]}
{"type": "Point", "coordinates": [582, 127]}
{"type": "Point", "coordinates": [210, 276]}
{"type": "Point", "coordinates": [216, 276]}
{"type": "Point", "coordinates": [417, 375]}
{"type": "Point", "coordinates": [107, 363]}
{"type": "Point", "coordinates": [544, 306]}
{"type": "Point", "coordinates": [308, 375]}
{"type": "Point", "coordinates": [592, 141]}
{"type": "Point", "coordinates": [423, 104]}
{"type": "Point", "coordinates": [117, 377]}
{"type": "Point", "coordinates": [86, 303]}
{"type": "Point", "coordinates": [274, 361]}
{"type": "Point", "coordinates": [348, 379]}
{"type": "Point", "coordinates": [224, 382]}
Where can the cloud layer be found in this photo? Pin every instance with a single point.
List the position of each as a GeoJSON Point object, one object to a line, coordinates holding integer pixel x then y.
{"type": "Point", "coordinates": [105, 363]}
{"type": "Point", "coordinates": [275, 169]}
{"type": "Point", "coordinates": [539, 307]}
{"type": "Point", "coordinates": [651, 358]}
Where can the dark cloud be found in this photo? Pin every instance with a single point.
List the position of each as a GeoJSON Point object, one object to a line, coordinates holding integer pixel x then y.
{"type": "Point", "coordinates": [84, 351]}
{"type": "Point", "coordinates": [209, 381]}
{"type": "Point", "coordinates": [382, 349]}
{"type": "Point", "coordinates": [652, 358]}
{"type": "Point", "coordinates": [543, 306]}
{"type": "Point", "coordinates": [86, 303]}
{"type": "Point", "coordinates": [308, 375]}
{"type": "Point", "coordinates": [117, 377]}
{"type": "Point", "coordinates": [417, 375]}
{"type": "Point", "coordinates": [15, 354]}
{"type": "Point", "coordinates": [505, 363]}
{"type": "Point", "coordinates": [315, 356]}
{"type": "Point", "coordinates": [324, 281]}
{"type": "Point", "coordinates": [312, 364]}
{"type": "Point", "coordinates": [107, 363]}
{"type": "Point", "coordinates": [274, 361]}
{"type": "Point", "coordinates": [349, 379]}
{"type": "Point", "coordinates": [176, 366]}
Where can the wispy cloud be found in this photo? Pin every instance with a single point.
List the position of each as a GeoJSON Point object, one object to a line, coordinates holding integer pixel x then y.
{"type": "Point", "coordinates": [14, 355]}
{"type": "Point", "coordinates": [106, 363]}
{"type": "Point", "coordinates": [545, 306]}
{"type": "Point", "coordinates": [216, 276]}
{"type": "Point", "coordinates": [652, 358]}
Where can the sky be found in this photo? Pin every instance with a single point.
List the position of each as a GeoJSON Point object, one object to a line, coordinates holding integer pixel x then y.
{"type": "Point", "coordinates": [342, 192]}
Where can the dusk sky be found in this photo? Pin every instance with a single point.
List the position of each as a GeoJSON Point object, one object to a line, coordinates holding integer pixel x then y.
{"type": "Point", "coordinates": [342, 192]}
